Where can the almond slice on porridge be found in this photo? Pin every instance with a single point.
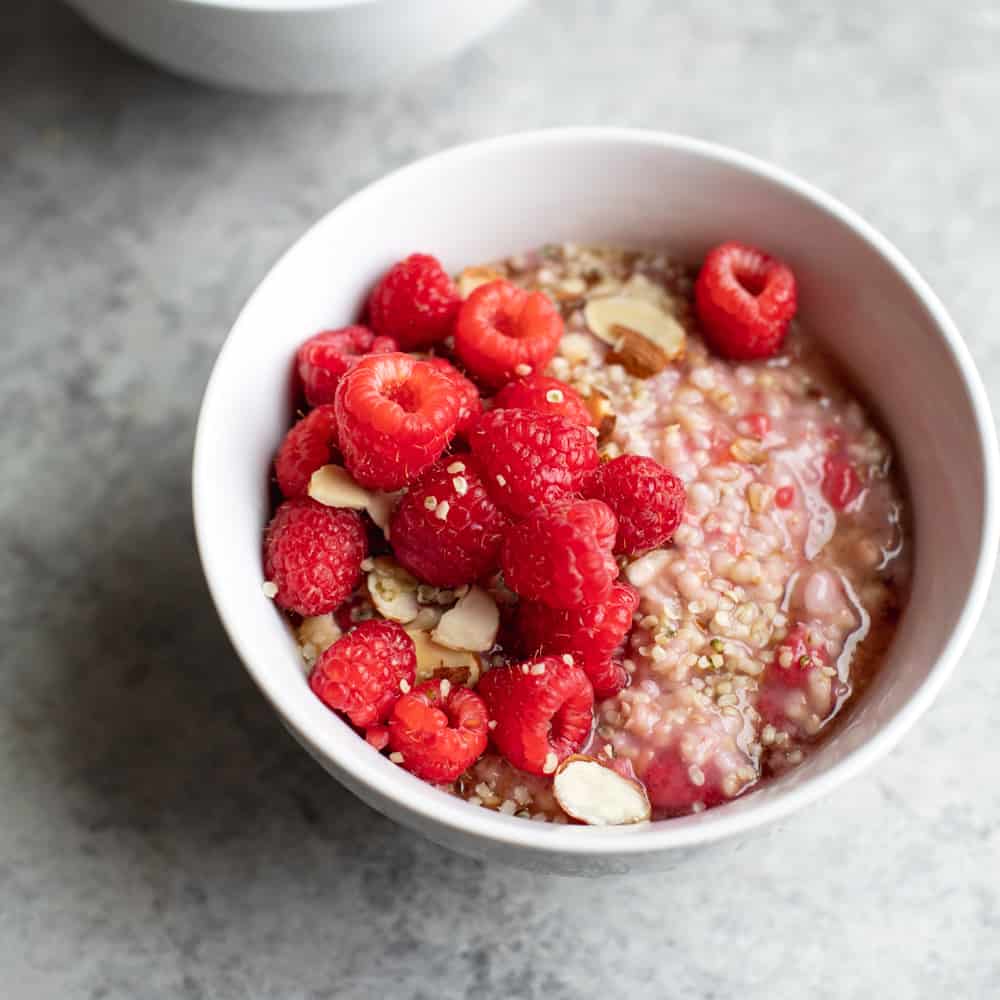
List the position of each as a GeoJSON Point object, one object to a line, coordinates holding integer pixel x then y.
{"type": "Point", "coordinates": [622, 323]}
{"type": "Point", "coordinates": [597, 795]}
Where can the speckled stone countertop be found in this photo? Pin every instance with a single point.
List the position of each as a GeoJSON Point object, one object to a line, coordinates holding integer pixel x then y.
{"type": "Point", "coordinates": [160, 834]}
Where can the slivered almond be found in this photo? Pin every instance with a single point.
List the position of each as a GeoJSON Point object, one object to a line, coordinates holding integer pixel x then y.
{"type": "Point", "coordinates": [472, 277]}
{"type": "Point", "coordinates": [434, 660]}
{"type": "Point", "coordinates": [638, 355]}
{"type": "Point", "coordinates": [638, 316]}
{"type": "Point", "coordinates": [598, 795]}
{"type": "Point", "coordinates": [604, 419]}
{"type": "Point", "coordinates": [471, 624]}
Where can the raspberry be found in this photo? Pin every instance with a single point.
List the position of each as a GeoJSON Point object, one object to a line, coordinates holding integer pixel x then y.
{"type": "Point", "coordinates": [744, 300]}
{"type": "Point", "coordinates": [841, 484]}
{"type": "Point", "coordinates": [446, 530]}
{"type": "Point", "coordinates": [313, 555]}
{"type": "Point", "coordinates": [561, 555]}
{"type": "Point", "coordinates": [310, 443]}
{"type": "Point", "coordinates": [503, 331]}
{"type": "Point", "coordinates": [546, 395]}
{"type": "Point", "coordinates": [529, 459]}
{"type": "Point", "coordinates": [591, 633]}
{"type": "Point", "coordinates": [439, 730]}
{"type": "Point", "coordinates": [647, 499]}
{"type": "Point", "coordinates": [395, 415]}
{"type": "Point", "coordinates": [543, 710]}
{"type": "Point", "coordinates": [361, 672]}
{"type": "Point", "coordinates": [322, 359]}
{"type": "Point", "coordinates": [415, 303]}
{"type": "Point", "coordinates": [470, 406]}
{"type": "Point", "coordinates": [607, 677]}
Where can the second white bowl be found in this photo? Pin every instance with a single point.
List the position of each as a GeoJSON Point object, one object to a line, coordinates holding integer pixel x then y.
{"type": "Point", "coordinates": [295, 46]}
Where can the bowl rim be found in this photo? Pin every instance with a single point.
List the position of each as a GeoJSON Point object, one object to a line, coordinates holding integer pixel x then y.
{"type": "Point", "coordinates": [594, 842]}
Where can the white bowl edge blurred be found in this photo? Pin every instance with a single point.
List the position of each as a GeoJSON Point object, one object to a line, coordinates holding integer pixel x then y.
{"type": "Point", "coordinates": [295, 46]}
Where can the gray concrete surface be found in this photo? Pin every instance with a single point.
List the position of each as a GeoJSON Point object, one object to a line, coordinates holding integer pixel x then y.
{"type": "Point", "coordinates": [160, 834]}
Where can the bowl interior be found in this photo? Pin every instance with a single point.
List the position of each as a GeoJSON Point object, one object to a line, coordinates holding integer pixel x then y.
{"type": "Point", "coordinates": [631, 189]}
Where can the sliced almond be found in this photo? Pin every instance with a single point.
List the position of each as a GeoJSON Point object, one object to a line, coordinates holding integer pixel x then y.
{"type": "Point", "coordinates": [637, 355]}
{"type": "Point", "coordinates": [434, 660]}
{"type": "Point", "coordinates": [597, 795]}
{"type": "Point", "coordinates": [599, 407]}
{"type": "Point", "coordinates": [393, 591]}
{"type": "Point", "coordinates": [473, 277]}
{"type": "Point", "coordinates": [471, 624]}
{"type": "Point", "coordinates": [641, 318]}
{"type": "Point", "coordinates": [333, 486]}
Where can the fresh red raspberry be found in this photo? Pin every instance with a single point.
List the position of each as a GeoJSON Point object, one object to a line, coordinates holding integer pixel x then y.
{"type": "Point", "coordinates": [543, 710]}
{"type": "Point", "coordinates": [647, 499]}
{"type": "Point", "coordinates": [446, 530]}
{"type": "Point", "coordinates": [546, 395]}
{"type": "Point", "coordinates": [591, 633]}
{"type": "Point", "coordinates": [529, 459]}
{"type": "Point", "coordinates": [395, 416]}
{"type": "Point", "coordinates": [415, 303]}
{"type": "Point", "coordinates": [607, 677]}
{"type": "Point", "coordinates": [841, 484]}
{"type": "Point", "coordinates": [503, 332]}
{"type": "Point", "coordinates": [361, 673]}
{"type": "Point", "coordinates": [470, 405]}
{"type": "Point", "coordinates": [313, 555]}
{"type": "Point", "coordinates": [322, 359]}
{"type": "Point", "coordinates": [440, 729]}
{"type": "Point", "coordinates": [670, 788]}
{"type": "Point", "coordinates": [310, 443]}
{"type": "Point", "coordinates": [744, 300]}
{"type": "Point", "coordinates": [561, 555]}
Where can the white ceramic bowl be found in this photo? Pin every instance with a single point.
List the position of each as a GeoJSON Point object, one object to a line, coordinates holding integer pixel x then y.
{"type": "Point", "coordinates": [295, 46]}
{"type": "Point", "coordinates": [638, 189]}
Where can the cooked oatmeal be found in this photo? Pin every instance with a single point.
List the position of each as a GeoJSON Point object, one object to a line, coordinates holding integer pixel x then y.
{"type": "Point", "coordinates": [763, 556]}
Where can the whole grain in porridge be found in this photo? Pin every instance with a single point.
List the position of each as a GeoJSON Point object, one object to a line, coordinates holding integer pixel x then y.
{"type": "Point", "coordinates": [767, 549]}
{"type": "Point", "coordinates": [779, 571]}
